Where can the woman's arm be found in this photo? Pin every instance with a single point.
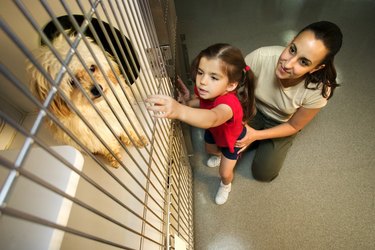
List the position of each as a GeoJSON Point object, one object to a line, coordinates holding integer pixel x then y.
{"type": "Point", "coordinates": [297, 122]}
{"type": "Point", "coordinates": [193, 102]}
{"type": "Point", "coordinates": [166, 107]}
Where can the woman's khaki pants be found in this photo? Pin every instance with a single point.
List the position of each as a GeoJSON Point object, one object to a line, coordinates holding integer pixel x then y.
{"type": "Point", "coordinates": [270, 154]}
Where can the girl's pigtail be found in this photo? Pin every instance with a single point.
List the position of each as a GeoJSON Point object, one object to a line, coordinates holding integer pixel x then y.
{"type": "Point", "coordinates": [247, 94]}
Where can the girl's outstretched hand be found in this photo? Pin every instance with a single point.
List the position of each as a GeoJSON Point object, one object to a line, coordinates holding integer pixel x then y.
{"type": "Point", "coordinates": [163, 106]}
{"type": "Point", "coordinates": [247, 139]}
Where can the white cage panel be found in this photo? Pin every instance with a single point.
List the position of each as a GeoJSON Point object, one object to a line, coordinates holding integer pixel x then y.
{"type": "Point", "coordinates": [82, 163]}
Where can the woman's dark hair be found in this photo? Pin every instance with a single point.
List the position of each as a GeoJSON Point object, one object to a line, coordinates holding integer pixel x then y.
{"type": "Point", "coordinates": [235, 67]}
{"type": "Point", "coordinates": [331, 35]}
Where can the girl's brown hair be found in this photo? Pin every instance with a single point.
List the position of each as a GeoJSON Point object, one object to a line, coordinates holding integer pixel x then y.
{"type": "Point", "coordinates": [236, 70]}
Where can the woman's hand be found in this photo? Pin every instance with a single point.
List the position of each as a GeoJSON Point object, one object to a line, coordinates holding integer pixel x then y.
{"type": "Point", "coordinates": [247, 139]}
{"type": "Point", "coordinates": [183, 92]}
{"type": "Point", "coordinates": [163, 106]}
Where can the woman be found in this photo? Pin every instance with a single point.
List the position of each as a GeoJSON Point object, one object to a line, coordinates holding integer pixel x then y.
{"type": "Point", "coordinates": [292, 85]}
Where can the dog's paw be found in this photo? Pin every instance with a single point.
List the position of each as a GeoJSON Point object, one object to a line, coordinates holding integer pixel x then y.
{"type": "Point", "coordinates": [125, 140]}
{"type": "Point", "coordinates": [141, 142]}
{"type": "Point", "coordinates": [112, 160]}
{"type": "Point", "coordinates": [136, 141]}
{"type": "Point", "coordinates": [114, 163]}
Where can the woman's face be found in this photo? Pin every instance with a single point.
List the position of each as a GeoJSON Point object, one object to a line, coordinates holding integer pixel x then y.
{"type": "Point", "coordinates": [211, 80]}
{"type": "Point", "coordinates": [302, 56]}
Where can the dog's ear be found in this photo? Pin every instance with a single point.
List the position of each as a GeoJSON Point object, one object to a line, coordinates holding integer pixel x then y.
{"type": "Point", "coordinates": [59, 107]}
{"type": "Point", "coordinates": [116, 72]}
{"type": "Point", "coordinates": [40, 88]}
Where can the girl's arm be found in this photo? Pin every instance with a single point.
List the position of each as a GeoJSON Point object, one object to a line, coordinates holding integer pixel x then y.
{"type": "Point", "coordinates": [298, 121]}
{"type": "Point", "coordinates": [166, 107]}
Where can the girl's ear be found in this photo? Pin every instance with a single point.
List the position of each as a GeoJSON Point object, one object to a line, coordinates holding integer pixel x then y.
{"type": "Point", "coordinates": [232, 86]}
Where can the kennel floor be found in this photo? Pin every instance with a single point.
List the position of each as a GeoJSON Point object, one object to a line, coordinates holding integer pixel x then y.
{"type": "Point", "coordinates": [324, 197]}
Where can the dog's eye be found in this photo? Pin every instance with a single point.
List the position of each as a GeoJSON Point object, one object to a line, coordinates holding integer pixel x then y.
{"type": "Point", "coordinates": [72, 83]}
{"type": "Point", "coordinates": [92, 68]}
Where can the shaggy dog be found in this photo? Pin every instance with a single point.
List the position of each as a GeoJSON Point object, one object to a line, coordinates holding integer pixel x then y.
{"type": "Point", "coordinates": [94, 84]}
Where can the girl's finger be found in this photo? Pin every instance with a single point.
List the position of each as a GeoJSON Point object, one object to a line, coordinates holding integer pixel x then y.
{"type": "Point", "coordinates": [157, 112]}
{"type": "Point", "coordinates": [159, 115]}
{"type": "Point", "coordinates": [155, 99]}
{"type": "Point", "coordinates": [155, 108]}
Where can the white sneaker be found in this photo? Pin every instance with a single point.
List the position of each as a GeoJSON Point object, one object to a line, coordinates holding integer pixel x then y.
{"type": "Point", "coordinates": [214, 161]}
{"type": "Point", "coordinates": [223, 193]}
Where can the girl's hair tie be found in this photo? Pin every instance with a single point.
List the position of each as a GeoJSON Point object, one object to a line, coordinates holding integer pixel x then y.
{"type": "Point", "coordinates": [244, 71]}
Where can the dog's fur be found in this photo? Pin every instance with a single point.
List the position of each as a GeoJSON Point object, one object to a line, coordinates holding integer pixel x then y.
{"type": "Point", "coordinates": [41, 88]}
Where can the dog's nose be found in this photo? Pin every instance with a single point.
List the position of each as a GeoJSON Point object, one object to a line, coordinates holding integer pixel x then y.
{"type": "Point", "coordinates": [95, 91]}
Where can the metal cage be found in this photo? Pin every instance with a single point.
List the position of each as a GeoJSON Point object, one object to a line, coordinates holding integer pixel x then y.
{"type": "Point", "coordinates": [59, 189]}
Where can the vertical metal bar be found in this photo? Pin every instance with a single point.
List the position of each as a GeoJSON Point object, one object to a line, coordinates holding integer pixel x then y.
{"type": "Point", "coordinates": [133, 30]}
{"type": "Point", "coordinates": [169, 193]}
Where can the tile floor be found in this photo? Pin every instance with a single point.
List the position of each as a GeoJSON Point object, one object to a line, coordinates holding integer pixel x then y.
{"type": "Point", "coordinates": [324, 197]}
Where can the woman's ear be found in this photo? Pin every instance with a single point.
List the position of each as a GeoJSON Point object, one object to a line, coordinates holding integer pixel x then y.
{"type": "Point", "coordinates": [317, 68]}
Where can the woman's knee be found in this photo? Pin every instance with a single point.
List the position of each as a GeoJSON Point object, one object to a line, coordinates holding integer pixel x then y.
{"type": "Point", "coordinates": [264, 177]}
{"type": "Point", "coordinates": [265, 172]}
{"type": "Point", "coordinates": [269, 158]}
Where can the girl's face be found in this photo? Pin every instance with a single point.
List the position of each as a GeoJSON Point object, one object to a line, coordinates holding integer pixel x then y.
{"type": "Point", "coordinates": [302, 56]}
{"type": "Point", "coordinates": [211, 80]}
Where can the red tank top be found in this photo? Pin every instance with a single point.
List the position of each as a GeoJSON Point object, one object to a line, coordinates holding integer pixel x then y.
{"type": "Point", "coordinates": [226, 134]}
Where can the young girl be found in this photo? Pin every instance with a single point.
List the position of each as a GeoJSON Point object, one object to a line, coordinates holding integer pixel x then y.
{"type": "Point", "coordinates": [219, 71]}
